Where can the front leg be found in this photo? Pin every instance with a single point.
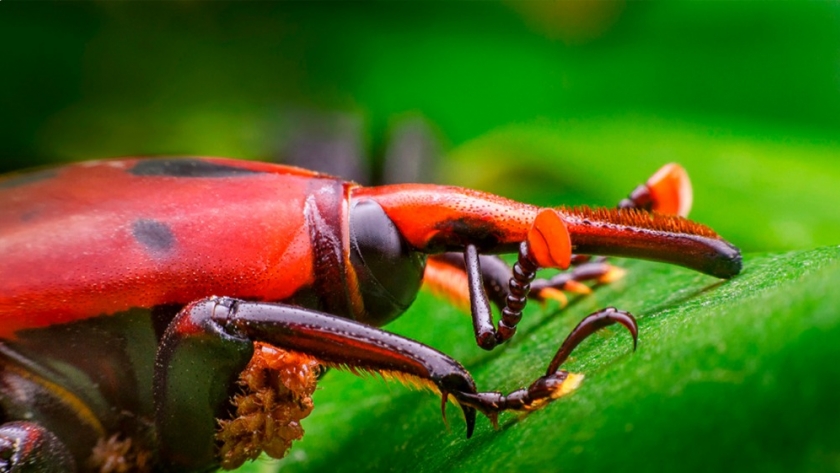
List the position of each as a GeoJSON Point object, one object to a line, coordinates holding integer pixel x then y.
{"type": "Point", "coordinates": [225, 330]}
{"type": "Point", "coordinates": [547, 245]}
{"type": "Point", "coordinates": [446, 276]}
{"type": "Point", "coordinates": [556, 382]}
{"type": "Point", "coordinates": [471, 279]}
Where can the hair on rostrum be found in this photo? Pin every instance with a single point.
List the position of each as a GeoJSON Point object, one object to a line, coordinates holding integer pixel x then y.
{"type": "Point", "coordinates": [637, 218]}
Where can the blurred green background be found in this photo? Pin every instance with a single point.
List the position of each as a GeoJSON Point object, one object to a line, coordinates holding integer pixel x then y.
{"type": "Point", "coordinates": [548, 102]}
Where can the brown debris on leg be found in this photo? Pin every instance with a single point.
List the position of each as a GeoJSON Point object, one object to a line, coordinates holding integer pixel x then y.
{"type": "Point", "coordinates": [277, 394]}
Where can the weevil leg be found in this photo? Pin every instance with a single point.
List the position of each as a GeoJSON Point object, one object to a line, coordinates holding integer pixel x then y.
{"type": "Point", "coordinates": [225, 326]}
{"type": "Point", "coordinates": [534, 252]}
{"type": "Point", "coordinates": [555, 383]}
{"type": "Point", "coordinates": [211, 341]}
{"type": "Point", "coordinates": [488, 278]}
{"type": "Point", "coordinates": [524, 271]}
{"type": "Point", "coordinates": [482, 315]}
{"type": "Point", "coordinates": [27, 447]}
{"type": "Point", "coordinates": [446, 275]}
{"type": "Point", "coordinates": [597, 270]}
{"type": "Point", "coordinates": [511, 300]}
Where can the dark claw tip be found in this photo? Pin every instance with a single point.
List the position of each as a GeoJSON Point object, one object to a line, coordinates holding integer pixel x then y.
{"type": "Point", "coordinates": [469, 416]}
{"type": "Point", "coordinates": [589, 325]}
{"type": "Point", "coordinates": [627, 320]}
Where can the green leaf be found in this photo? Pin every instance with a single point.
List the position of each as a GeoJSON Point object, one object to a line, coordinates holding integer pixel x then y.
{"type": "Point", "coordinates": [732, 375]}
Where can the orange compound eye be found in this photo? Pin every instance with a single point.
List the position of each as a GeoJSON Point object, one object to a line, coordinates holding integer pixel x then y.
{"type": "Point", "coordinates": [670, 190]}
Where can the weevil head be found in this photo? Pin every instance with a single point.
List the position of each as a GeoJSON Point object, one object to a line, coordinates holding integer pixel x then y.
{"type": "Point", "coordinates": [388, 269]}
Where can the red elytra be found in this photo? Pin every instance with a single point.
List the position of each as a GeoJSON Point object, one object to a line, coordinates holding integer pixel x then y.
{"type": "Point", "coordinates": [109, 240]}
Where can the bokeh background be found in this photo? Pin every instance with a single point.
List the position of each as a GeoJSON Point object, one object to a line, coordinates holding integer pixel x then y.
{"type": "Point", "coordinates": [548, 102]}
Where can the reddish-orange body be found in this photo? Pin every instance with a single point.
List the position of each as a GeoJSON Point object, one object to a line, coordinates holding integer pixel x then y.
{"type": "Point", "coordinates": [108, 272]}
{"type": "Point", "coordinates": [73, 235]}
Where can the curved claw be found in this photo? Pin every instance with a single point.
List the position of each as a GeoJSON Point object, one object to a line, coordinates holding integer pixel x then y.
{"type": "Point", "coordinates": [469, 417]}
{"type": "Point", "coordinates": [469, 414]}
{"type": "Point", "coordinates": [589, 325]}
{"type": "Point", "coordinates": [554, 384]}
{"type": "Point", "coordinates": [460, 386]}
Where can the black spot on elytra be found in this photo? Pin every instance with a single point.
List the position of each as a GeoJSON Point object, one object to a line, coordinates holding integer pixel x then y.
{"type": "Point", "coordinates": [154, 235]}
{"type": "Point", "coordinates": [28, 178]}
{"type": "Point", "coordinates": [187, 167]}
{"type": "Point", "coordinates": [27, 216]}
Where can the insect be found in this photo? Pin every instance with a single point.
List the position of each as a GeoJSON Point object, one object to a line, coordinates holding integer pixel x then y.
{"type": "Point", "coordinates": [174, 313]}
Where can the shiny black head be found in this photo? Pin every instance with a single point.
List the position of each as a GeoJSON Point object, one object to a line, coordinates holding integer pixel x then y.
{"type": "Point", "coordinates": [388, 269]}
